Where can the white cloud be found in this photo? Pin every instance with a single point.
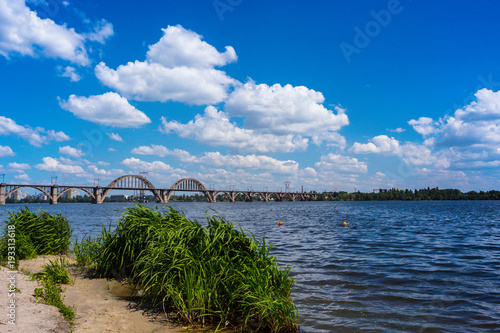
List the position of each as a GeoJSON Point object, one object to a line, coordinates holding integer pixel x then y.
{"type": "Point", "coordinates": [157, 150]}
{"type": "Point", "coordinates": [113, 173]}
{"type": "Point", "coordinates": [102, 31]}
{"type": "Point", "coordinates": [162, 151]}
{"type": "Point", "coordinates": [474, 125]}
{"type": "Point", "coordinates": [255, 162]}
{"type": "Point", "coordinates": [70, 72]}
{"type": "Point", "coordinates": [341, 163]}
{"type": "Point", "coordinates": [22, 177]}
{"type": "Point", "coordinates": [19, 167]}
{"type": "Point", "coordinates": [23, 32]}
{"type": "Point", "coordinates": [53, 165]}
{"type": "Point", "coordinates": [411, 153]}
{"type": "Point", "coordinates": [215, 129]}
{"type": "Point", "coordinates": [379, 144]}
{"type": "Point", "coordinates": [333, 139]}
{"type": "Point", "coordinates": [136, 164]}
{"type": "Point", "coordinates": [397, 130]}
{"type": "Point", "coordinates": [183, 48]}
{"type": "Point", "coordinates": [148, 82]}
{"type": "Point", "coordinates": [108, 109]}
{"type": "Point", "coordinates": [70, 151]}
{"type": "Point", "coordinates": [424, 126]}
{"type": "Point", "coordinates": [177, 68]}
{"type": "Point", "coordinates": [36, 137]}
{"type": "Point", "coordinates": [283, 110]}
{"type": "Point", "coordinates": [115, 136]}
{"type": "Point", "coordinates": [6, 151]}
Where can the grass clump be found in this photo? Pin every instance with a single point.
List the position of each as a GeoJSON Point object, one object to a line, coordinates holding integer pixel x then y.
{"type": "Point", "coordinates": [35, 234]}
{"type": "Point", "coordinates": [50, 278]}
{"type": "Point", "coordinates": [86, 251]}
{"type": "Point", "coordinates": [212, 275]}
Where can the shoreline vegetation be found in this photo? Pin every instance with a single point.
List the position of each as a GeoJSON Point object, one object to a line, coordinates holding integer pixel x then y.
{"type": "Point", "coordinates": [428, 194]}
{"type": "Point", "coordinates": [211, 276]}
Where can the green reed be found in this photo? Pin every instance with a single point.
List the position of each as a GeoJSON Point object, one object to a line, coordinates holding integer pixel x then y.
{"type": "Point", "coordinates": [206, 275]}
{"type": "Point", "coordinates": [36, 234]}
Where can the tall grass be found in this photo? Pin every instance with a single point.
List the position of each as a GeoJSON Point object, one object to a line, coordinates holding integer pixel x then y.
{"type": "Point", "coordinates": [207, 275]}
{"type": "Point", "coordinates": [36, 234]}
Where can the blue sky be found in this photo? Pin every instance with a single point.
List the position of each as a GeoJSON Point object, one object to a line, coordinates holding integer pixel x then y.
{"type": "Point", "coordinates": [337, 95]}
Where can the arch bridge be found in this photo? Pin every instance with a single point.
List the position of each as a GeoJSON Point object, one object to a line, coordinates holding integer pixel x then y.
{"type": "Point", "coordinates": [162, 195]}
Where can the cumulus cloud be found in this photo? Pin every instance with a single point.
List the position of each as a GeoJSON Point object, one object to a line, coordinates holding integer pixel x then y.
{"type": "Point", "coordinates": [6, 151]}
{"type": "Point", "coordinates": [113, 173]}
{"type": "Point", "coordinates": [180, 67]}
{"type": "Point", "coordinates": [53, 165]}
{"type": "Point", "coordinates": [255, 162]}
{"type": "Point", "coordinates": [424, 126]}
{"type": "Point", "coordinates": [411, 153]}
{"type": "Point", "coordinates": [136, 164]}
{"type": "Point", "coordinates": [23, 32]}
{"type": "Point", "coordinates": [108, 109]}
{"type": "Point", "coordinates": [102, 30]}
{"type": "Point", "coordinates": [19, 167]}
{"type": "Point", "coordinates": [36, 137]}
{"type": "Point", "coordinates": [22, 177]}
{"type": "Point", "coordinates": [183, 48]}
{"type": "Point", "coordinates": [215, 129]}
{"type": "Point", "coordinates": [341, 163]}
{"type": "Point", "coordinates": [115, 136]}
{"type": "Point", "coordinates": [70, 151]}
{"type": "Point", "coordinates": [476, 124]}
{"type": "Point", "coordinates": [69, 72]}
{"type": "Point", "coordinates": [216, 159]}
{"type": "Point", "coordinates": [282, 110]}
{"type": "Point", "coordinates": [379, 144]}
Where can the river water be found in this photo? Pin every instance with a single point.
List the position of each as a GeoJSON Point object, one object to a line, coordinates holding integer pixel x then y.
{"type": "Point", "coordinates": [419, 266]}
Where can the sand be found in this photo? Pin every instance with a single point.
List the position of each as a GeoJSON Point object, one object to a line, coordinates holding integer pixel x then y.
{"type": "Point", "coordinates": [97, 309]}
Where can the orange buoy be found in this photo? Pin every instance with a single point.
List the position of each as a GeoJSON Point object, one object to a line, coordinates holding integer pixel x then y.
{"type": "Point", "coordinates": [280, 223]}
{"type": "Point", "coordinates": [345, 223]}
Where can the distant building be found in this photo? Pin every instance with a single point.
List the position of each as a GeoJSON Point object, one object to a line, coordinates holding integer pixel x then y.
{"type": "Point", "coordinates": [118, 197]}
{"type": "Point", "coordinates": [71, 194]}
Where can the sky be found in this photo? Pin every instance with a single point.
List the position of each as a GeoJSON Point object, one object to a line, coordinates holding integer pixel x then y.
{"type": "Point", "coordinates": [327, 95]}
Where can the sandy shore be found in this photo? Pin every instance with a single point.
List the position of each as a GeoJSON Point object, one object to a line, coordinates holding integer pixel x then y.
{"type": "Point", "coordinates": [97, 309]}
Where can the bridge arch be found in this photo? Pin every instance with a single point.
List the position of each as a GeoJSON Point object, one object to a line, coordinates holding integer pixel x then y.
{"type": "Point", "coordinates": [29, 186]}
{"type": "Point", "coordinates": [189, 184]}
{"type": "Point", "coordinates": [76, 188]}
{"type": "Point", "coordinates": [131, 181]}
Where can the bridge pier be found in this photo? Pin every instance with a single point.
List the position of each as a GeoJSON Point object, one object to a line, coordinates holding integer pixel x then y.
{"type": "Point", "coordinates": [97, 199]}
{"type": "Point", "coordinates": [53, 195]}
{"type": "Point", "coordinates": [2, 194]}
{"type": "Point", "coordinates": [211, 197]}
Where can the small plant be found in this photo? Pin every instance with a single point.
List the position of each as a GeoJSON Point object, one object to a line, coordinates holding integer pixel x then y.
{"type": "Point", "coordinates": [86, 251]}
{"type": "Point", "coordinates": [51, 277]}
{"type": "Point", "coordinates": [55, 270]}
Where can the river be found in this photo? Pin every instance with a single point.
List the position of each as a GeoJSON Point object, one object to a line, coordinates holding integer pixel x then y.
{"type": "Point", "coordinates": [419, 266]}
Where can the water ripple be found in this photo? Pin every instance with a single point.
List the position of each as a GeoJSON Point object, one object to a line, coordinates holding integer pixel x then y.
{"type": "Point", "coordinates": [395, 267]}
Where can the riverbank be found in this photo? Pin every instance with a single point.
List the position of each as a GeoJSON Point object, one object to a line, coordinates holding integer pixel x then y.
{"type": "Point", "coordinates": [97, 309]}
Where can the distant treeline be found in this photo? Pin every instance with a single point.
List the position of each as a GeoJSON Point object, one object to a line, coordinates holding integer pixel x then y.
{"type": "Point", "coordinates": [424, 194]}
{"type": "Point", "coordinates": [378, 195]}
